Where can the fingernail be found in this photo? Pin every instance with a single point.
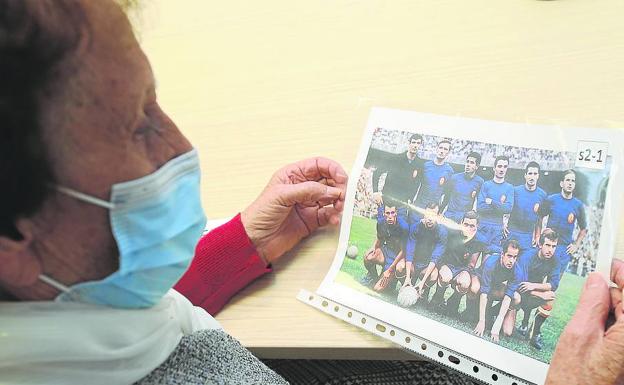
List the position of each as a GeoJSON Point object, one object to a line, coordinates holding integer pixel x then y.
{"type": "Point", "coordinates": [341, 176]}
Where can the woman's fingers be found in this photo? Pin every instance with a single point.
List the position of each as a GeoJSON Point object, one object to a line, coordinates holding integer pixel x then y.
{"type": "Point", "coordinates": [328, 216]}
{"type": "Point", "coordinates": [616, 303]}
{"type": "Point", "coordinates": [617, 273]}
{"type": "Point", "coordinates": [306, 194]}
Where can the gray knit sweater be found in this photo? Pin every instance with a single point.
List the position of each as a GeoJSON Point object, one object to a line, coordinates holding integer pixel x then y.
{"type": "Point", "coordinates": [214, 357]}
{"type": "Point", "coordinates": [211, 357]}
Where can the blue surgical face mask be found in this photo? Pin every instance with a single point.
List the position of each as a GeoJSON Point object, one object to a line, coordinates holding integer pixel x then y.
{"type": "Point", "coordinates": [156, 221]}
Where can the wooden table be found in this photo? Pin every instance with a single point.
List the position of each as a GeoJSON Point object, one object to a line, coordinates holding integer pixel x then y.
{"type": "Point", "coordinates": [256, 85]}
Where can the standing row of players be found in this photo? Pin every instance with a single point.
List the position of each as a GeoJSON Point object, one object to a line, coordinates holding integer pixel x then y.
{"type": "Point", "coordinates": [506, 227]}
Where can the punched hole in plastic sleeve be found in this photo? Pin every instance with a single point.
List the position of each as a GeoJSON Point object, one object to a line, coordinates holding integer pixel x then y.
{"type": "Point", "coordinates": [410, 342]}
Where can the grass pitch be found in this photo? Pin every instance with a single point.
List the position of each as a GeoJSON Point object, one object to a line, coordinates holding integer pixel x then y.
{"type": "Point", "coordinates": [363, 235]}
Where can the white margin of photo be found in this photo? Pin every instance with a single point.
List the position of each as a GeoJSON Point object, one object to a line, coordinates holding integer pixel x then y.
{"type": "Point", "coordinates": [553, 138]}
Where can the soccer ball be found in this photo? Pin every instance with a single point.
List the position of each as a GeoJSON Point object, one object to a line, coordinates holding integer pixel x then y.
{"type": "Point", "coordinates": [408, 295]}
{"type": "Point", "coordinates": [352, 251]}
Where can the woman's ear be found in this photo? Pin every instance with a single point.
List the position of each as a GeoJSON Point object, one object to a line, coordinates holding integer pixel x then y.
{"type": "Point", "coordinates": [11, 245]}
{"type": "Point", "coordinates": [20, 267]}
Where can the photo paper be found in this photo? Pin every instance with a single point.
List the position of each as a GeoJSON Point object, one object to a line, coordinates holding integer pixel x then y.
{"type": "Point", "coordinates": [477, 235]}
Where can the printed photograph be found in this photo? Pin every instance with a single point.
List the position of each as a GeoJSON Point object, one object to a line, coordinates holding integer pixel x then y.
{"type": "Point", "coordinates": [491, 239]}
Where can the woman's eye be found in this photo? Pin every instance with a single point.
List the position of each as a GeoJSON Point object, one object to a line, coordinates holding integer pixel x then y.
{"type": "Point", "coordinates": [144, 129]}
{"type": "Point", "coordinates": [150, 121]}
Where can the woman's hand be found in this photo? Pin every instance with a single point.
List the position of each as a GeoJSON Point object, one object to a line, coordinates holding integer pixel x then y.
{"type": "Point", "coordinates": [299, 199]}
{"type": "Point", "coordinates": [588, 351]}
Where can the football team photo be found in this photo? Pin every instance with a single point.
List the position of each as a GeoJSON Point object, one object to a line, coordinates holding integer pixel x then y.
{"type": "Point", "coordinates": [491, 239]}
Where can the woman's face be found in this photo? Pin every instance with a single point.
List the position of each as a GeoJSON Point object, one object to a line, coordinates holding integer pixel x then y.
{"type": "Point", "coordinates": [102, 125]}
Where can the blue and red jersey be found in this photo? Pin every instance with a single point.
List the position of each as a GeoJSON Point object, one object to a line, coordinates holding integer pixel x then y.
{"type": "Point", "coordinates": [502, 195]}
{"type": "Point", "coordinates": [433, 182]}
{"type": "Point", "coordinates": [526, 208]}
{"type": "Point", "coordinates": [563, 214]}
{"type": "Point", "coordinates": [492, 274]}
{"type": "Point", "coordinates": [462, 192]}
{"type": "Point", "coordinates": [532, 268]}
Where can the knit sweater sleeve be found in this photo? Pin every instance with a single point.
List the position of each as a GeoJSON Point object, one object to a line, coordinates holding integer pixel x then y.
{"type": "Point", "coordinates": [225, 261]}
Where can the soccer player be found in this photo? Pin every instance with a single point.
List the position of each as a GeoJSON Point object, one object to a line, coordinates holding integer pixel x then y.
{"type": "Point", "coordinates": [461, 190]}
{"type": "Point", "coordinates": [425, 246]}
{"type": "Point", "coordinates": [496, 282]}
{"type": "Point", "coordinates": [387, 250]}
{"type": "Point", "coordinates": [436, 173]}
{"type": "Point", "coordinates": [495, 200]}
{"type": "Point", "coordinates": [463, 249]}
{"type": "Point", "coordinates": [539, 274]}
{"type": "Point", "coordinates": [564, 211]}
{"type": "Point", "coordinates": [402, 174]}
{"type": "Point", "coordinates": [528, 199]}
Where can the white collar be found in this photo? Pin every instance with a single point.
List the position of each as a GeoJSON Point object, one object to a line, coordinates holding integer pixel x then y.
{"type": "Point", "coordinates": [76, 343]}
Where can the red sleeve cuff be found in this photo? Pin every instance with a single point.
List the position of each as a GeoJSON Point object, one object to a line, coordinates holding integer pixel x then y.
{"type": "Point", "coordinates": [225, 261]}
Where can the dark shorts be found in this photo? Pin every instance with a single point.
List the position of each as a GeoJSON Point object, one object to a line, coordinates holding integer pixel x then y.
{"type": "Point", "coordinates": [492, 236]}
{"type": "Point", "coordinates": [530, 302]}
{"type": "Point", "coordinates": [455, 270]}
{"type": "Point", "coordinates": [418, 266]}
{"type": "Point", "coordinates": [497, 291]}
{"type": "Point", "coordinates": [454, 215]}
{"type": "Point", "coordinates": [389, 256]}
{"type": "Point", "coordinates": [525, 240]}
{"type": "Point", "coordinates": [562, 256]}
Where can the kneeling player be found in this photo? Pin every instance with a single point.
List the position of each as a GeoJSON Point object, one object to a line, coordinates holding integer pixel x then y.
{"type": "Point", "coordinates": [496, 281]}
{"type": "Point", "coordinates": [425, 246]}
{"type": "Point", "coordinates": [387, 250]}
{"type": "Point", "coordinates": [459, 259]}
{"type": "Point", "coordinates": [539, 274]}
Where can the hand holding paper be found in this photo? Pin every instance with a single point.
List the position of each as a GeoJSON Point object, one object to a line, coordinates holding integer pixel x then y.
{"type": "Point", "coordinates": [589, 352]}
{"type": "Point", "coordinates": [298, 199]}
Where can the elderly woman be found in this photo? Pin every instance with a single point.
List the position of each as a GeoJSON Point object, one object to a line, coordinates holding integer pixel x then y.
{"type": "Point", "coordinates": [101, 213]}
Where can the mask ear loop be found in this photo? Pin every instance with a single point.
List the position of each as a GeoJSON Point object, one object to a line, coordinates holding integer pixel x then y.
{"type": "Point", "coordinates": [59, 286]}
{"type": "Point", "coordinates": [86, 198]}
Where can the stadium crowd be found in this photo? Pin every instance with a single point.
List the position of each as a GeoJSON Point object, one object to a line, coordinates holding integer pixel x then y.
{"type": "Point", "coordinates": [395, 142]}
